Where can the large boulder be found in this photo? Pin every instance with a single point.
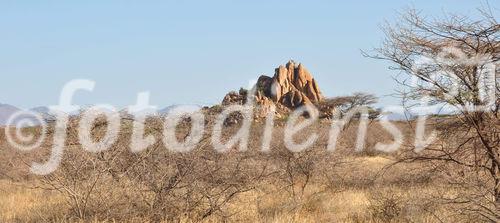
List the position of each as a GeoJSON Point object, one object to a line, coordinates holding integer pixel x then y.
{"type": "Point", "coordinates": [294, 99]}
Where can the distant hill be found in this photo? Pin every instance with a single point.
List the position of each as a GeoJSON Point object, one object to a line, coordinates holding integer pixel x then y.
{"type": "Point", "coordinates": [7, 111]}
{"type": "Point", "coordinates": [44, 112]}
{"type": "Point", "coordinates": [167, 110]}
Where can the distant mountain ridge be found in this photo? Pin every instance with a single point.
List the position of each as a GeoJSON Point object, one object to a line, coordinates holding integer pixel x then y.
{"type": "Point", "coordinates": [7, 111]}
{"type": "Point", "coordinates": [28, 117]}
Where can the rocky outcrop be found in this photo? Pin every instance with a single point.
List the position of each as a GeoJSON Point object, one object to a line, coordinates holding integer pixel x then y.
{"type": "Point", "coordinates": [234, 97]}
{"type": "Point", "coordinates": [294, 99]}
{"type": "Point", "coordinates": [292, 86]}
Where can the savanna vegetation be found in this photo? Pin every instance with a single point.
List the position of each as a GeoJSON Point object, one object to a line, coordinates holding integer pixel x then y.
{"type": "Point", "coordinates": [453, 178]}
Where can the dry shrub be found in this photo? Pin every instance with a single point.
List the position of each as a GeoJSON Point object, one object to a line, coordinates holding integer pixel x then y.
{"type": "Point", "coordinates": [386, 209]}
{"type": "Point", "coordinates": [206, 186]}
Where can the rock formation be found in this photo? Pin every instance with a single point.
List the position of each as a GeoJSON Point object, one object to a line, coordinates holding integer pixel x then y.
{"type": "Point", "coordinates": [291, 86]}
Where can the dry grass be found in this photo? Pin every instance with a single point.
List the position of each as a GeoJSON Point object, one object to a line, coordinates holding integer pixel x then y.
{"type": "Point", "coordinates": [19, 203]}
{"type": "Point", "coordinates": [348, 203]}
{"type": "Point", "coordinates": [354, 187]}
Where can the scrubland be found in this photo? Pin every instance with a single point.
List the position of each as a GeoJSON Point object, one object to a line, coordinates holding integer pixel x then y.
{"type": "Point", "coordinates": [158, 185]}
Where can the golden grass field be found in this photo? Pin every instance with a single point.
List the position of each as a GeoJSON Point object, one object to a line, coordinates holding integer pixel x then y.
{"type": "Point", "coordinates": [349, 203]}
{"type": "Point", "coordinates": [348, 187]}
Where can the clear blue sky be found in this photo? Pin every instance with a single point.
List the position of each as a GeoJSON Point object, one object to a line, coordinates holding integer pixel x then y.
{"type": "Point", "coordinates": [194, 52]}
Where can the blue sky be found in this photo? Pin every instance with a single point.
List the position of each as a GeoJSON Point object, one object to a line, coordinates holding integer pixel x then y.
{"type": "Point", "coordinates": [187, 52]}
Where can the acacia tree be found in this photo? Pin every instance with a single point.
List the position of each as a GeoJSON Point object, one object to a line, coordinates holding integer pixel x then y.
{"type": "Point", "coordinates": [348, 103]}
{"type": "Point", "coordinates": [451, 62]}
